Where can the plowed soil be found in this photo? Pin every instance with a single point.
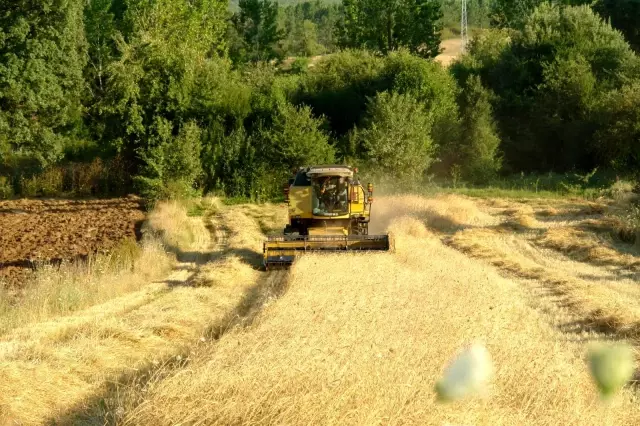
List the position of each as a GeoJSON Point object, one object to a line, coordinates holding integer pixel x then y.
{"type": "Point", "coordinates": [48, 230]}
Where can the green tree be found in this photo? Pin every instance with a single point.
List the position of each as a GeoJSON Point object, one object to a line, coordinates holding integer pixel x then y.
{"type": "Point", "coordinates": [617, 140]}
{"type": "Point", "coordinates": [257, 25]}
{"type": "Point", "coordinates": [161, 81]}
{"type": "Point", "coordinates": [170, 161]}
{"type": "Point", "coordinates": [295, 138]}
{"type": "Point", "coordinates": [338, 88]}
{"type": "Point", "coordinates": [477, 151]}
{"type": "Point", "coordinates": [100, 30]}
{"type": "Point", "coordinates": [624, 16]}
{"type": "Point", "coordinates": [549, 79]}
{"type": "Point", "coordinates": [396, 137]}
{"type": "Point", "coordinates": [42, 57]}
{"type": "Point", "coordinates": [386, 25]}
{"type": "Point", "coordinates": [433, 86]}
{"type": "Point", "coordinates": [511, 13]}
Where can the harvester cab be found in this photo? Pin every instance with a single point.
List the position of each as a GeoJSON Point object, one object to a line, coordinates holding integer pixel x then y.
{"type": "Point", "coordinates": [329, 211]}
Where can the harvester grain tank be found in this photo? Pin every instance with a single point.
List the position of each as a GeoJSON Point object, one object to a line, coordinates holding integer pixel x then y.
{"type": "Point", "coordinates": [329, 211]}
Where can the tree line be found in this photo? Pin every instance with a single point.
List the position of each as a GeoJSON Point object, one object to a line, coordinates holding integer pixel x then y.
{"type": "Point", "coordinates": [165, 96]}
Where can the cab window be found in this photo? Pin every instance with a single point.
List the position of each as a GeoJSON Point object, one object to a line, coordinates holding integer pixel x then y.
{"type": "Point", "coordinates": [302, 180]}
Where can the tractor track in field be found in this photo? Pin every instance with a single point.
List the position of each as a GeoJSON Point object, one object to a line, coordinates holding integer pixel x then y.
{"type": "Point", "coordinates": [271, 286]}
{"type": "Point", "coordinates": [106, 349]}
{"type": "Point", "coordinates": [266, 288]}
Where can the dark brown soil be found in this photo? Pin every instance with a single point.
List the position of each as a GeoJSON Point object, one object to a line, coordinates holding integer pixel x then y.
{"type": "Point", "coordinates": [52, 230]}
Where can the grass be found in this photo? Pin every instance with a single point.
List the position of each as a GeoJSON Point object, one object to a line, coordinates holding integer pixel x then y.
{"type": "Point", "coordinates": [61, 290]}
{"type": "Point", "coordinates": [496, 192]}
{"type": "Point", "coordinates": [171, 222]}
{"type": "Point", "coordinates": [363, 338]}
{"type": "Point", "coordinates": [552, 186]}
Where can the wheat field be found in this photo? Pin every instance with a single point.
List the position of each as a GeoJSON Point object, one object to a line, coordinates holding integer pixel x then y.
{"type": "Point", "coordinates": [56, 367]}
{"type": "Point", "coordinates": [342, 338]}
{"type": "Point", "coordinates": [362, 339]}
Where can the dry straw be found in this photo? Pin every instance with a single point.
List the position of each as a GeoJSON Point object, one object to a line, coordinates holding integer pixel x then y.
{"type": "Point", "coordinates": [55, 367]}
{"type": "Point", "coordinates": [362, 339]}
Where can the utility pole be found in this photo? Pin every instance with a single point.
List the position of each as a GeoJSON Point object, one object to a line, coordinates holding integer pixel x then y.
{"type": "Point", "coordinates": [464, 30]}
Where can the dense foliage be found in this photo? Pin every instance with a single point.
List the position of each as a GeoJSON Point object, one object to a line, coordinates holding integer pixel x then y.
{"type": "Point", "coordinates": [310, 28]}
{"type": "Point", "coordinates": [176, 96]}
{"type": "Point", "coordinates": [386, 25]}
{"type": "Point", "coordinates": [42, 57]}
{"type": "Point", "coordinates": [564, 90]}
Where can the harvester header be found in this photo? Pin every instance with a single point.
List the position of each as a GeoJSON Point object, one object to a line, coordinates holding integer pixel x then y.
{"type": "Point", "coordinates": [329, 211]}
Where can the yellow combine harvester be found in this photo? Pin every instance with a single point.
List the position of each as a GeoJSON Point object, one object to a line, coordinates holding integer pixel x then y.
{"type": "Point", "coordinates": [329, 211]}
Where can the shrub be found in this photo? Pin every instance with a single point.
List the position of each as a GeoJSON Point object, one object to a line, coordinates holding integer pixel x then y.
{"type": "Point", "coordinates": [296, 138]}
{"type": "Point", "coordinates": [29, 186]}
{"type": "Point", "coordinates": [618, 134]}
{"type": "Point", "coordinates": [174, 160]}
{"type": "Point", "coordinates": [477, 152]}
{"type": "Point", "coordinates": [300, 65]}
{"type": "Point", "coordinates": [430, 84]}
{"type": "Point", "coordinates": [51, 181]}
{"type": "Point", "coordinates": [85, 178]}
{"type": "Point", "coordinates": [337, 88]}
{"type": "Point", "coordinates": [6, 189]}
{"type": "Point", "coordinates": [396, 137]}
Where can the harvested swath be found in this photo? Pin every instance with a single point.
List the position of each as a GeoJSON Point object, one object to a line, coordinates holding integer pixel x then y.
{"type": "Point", "coordinates": [606, 304]}
{"type": "Point", "coordinates": [525, 221]}
{"type": "Point", "coordinates": [70, 360]}
{"type": "Point", "coordinates": [521, 221]}
{"type": "Point", "coordinates": [362, 339]}
{"type": "Point", "coordinates": [586, 247]}
{"type": "Point", "coordinates": [548, 212]}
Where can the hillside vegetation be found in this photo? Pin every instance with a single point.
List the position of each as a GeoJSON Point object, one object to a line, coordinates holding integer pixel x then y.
{"type": "Point", "coordinates": [169, 97]}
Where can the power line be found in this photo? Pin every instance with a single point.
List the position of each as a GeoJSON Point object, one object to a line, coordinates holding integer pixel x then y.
{"type": "Point", "coordinates": [464, 30]}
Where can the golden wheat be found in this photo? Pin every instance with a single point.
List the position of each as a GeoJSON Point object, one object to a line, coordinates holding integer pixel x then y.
{"type": "Point", "coordinates": [362, 339]}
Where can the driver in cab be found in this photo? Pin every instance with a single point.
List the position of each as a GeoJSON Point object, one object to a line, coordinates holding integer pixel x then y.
{"type": "Point", "coordinates": [330, 193]}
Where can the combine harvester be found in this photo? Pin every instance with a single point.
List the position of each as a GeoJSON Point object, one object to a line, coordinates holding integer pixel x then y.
{"type": "Point", "coordinates": [329, 211]}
